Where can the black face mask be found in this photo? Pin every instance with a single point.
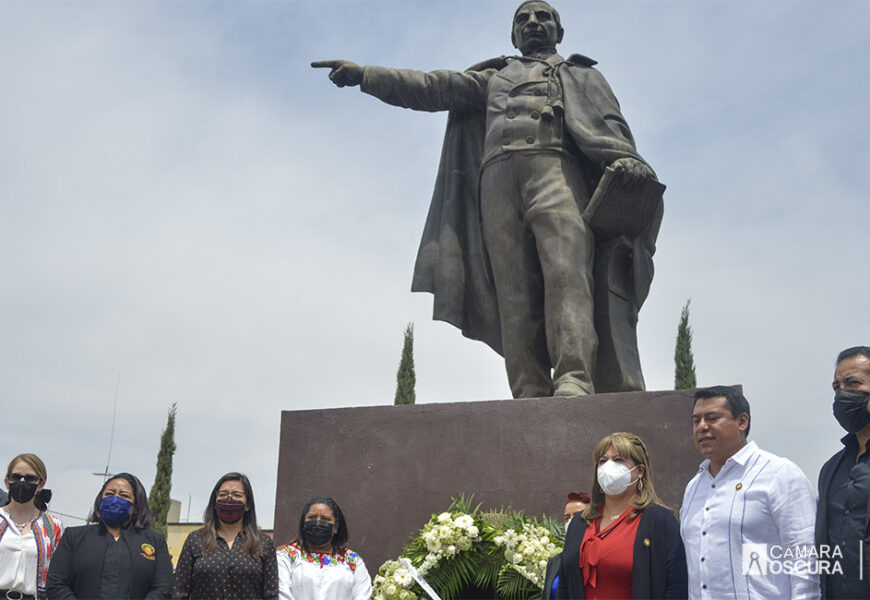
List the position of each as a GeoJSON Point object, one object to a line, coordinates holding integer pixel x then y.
{"type": "Point", "coordinates": [850, 409]}
{"type": "Point", "coordinates": [21, 491]}
{"type": "Point", "coordinates": [318, 532]}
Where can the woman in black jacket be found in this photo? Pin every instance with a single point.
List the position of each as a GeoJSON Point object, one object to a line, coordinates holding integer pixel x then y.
{"type": "Point", "coordinates": [627, 543]}
{"type": "Point", "coordinates": [117, 556]}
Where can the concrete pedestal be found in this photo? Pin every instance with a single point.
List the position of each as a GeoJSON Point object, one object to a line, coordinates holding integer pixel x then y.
{"type": "Point", "coordinates": [391, 467]}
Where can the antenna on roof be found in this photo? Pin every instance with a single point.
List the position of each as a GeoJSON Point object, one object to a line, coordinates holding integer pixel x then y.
{"type": "Point", "coordinates": [106, 473]}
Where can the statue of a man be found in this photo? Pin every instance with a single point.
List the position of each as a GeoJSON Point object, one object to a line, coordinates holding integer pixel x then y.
{"type": "Point", "coordinates": [506, 249]}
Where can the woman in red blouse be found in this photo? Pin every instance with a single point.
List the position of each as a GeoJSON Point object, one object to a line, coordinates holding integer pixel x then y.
{"type": "Point", "coordinates": [627, 543]}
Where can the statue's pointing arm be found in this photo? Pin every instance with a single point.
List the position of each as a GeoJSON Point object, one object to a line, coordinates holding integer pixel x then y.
{"type": "Point", "coordinates": [418, 90]}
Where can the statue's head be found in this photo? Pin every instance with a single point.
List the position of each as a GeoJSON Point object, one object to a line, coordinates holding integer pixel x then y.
{"type": "Point", "coordinates": [536, 25]}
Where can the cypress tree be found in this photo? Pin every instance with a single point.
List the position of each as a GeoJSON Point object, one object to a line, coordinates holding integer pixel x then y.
{"type": "Point", "coordinates": [158, 499]}
{"type": "Point", "coordinates": [405, 377]}
{"type": "Point", "coordinates": [684, 370]}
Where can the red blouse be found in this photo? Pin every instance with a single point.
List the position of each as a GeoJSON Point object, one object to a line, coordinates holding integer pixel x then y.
{"type": "Point", "coordinates": [607, 557]}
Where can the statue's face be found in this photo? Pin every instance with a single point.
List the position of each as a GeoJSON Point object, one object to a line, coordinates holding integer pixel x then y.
{"type": "Point", "coordinates": [535, 27]}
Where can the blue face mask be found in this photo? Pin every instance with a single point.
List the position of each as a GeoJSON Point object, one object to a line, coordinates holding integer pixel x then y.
{"type": "Point", "coordinates": [114, 510]}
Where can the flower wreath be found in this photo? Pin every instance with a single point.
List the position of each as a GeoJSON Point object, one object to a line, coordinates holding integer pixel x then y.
{"type": "Point", "coordinates": [462, 548]}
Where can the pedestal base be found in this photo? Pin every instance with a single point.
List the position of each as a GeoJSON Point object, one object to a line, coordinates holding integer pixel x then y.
{"type": "Point", "coordinates": [391, 467]}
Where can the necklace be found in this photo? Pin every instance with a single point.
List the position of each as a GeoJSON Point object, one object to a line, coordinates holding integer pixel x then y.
{"type": "Point", "coordinates": [614, 517]}
{"type": "Point", "coordinates": [20, 526]}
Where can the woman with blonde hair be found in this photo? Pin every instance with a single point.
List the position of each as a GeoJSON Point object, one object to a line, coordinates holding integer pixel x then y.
{"type": "Point", "coordinates": [28, 534]}
{"type": "Point", "coordinates": [627, 543]}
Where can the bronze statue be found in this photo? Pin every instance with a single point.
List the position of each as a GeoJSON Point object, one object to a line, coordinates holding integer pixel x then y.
{"type": "Point", "coordinates": [540, 192]}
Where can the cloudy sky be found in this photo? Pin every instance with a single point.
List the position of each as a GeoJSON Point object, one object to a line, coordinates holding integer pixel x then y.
{"type": "Point", "coordinates": [187, 208]}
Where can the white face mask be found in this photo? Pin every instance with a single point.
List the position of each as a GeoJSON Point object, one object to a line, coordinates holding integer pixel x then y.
{"type": "Point", "coordinates": [568, 522]}
{"type": "Point", "coordinates": [614, 478]}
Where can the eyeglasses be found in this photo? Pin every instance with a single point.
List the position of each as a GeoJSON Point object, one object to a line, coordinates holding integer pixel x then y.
{"type": "Point", "coordinates": [233, 495]}
{"type": "Point", "coordinates": [16, 477]}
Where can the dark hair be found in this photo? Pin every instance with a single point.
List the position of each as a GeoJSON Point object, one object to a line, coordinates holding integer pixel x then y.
{"type": "Point", "coordinates": [579, 497]}
{"type": "Point", "coordinates": [853, 351]}
{"type": "Point", "coordinates": [553, 11]}
{"type": "Point", "coordinates": [339, 540]}
{"type": "Point", "coordinates": [253, 536]}
{"type": "Point", "coordinates": [737, 402]}
{"type": "Point", "coordinates": [141, 516]}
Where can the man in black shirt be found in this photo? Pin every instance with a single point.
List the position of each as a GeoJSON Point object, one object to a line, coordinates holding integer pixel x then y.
{"type": "Point", "coordinates": [844, 481]}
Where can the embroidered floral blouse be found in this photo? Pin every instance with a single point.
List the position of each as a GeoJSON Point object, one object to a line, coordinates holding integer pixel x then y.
{"type": "Point", "coordinates": [318, 576]}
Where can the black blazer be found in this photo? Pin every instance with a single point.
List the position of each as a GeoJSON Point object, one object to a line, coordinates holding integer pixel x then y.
{"type": "Point", "coordinates": [76, 568]}
{"type": "Point", "coordinates": [825, 477]}
{"type": "Point", "coordinates": [553, 567]}
{"type": "Point", "coordinates": [659, 569]}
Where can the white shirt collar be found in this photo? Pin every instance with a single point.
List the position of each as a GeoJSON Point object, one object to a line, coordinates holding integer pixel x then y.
{"type": "Point", "coordinates": [741, 457]}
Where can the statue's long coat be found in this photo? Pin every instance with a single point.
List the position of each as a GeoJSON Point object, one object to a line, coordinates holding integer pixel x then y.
{"type": "Point", "coordinates": [452, 263]}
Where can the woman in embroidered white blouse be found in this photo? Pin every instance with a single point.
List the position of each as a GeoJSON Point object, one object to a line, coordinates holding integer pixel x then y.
{"type": "Point", "coordinates": [318, 565]}
{"type": "Point", "coordinates": [28, 534]}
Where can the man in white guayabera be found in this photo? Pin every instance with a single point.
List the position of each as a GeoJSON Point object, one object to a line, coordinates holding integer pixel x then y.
{"type": "Point", "coordinates": [748, 516]}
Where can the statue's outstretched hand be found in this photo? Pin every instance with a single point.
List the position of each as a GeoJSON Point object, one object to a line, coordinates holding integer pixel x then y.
{"type": "Point", "coordinates": [635, 169]}
{"type": "Point", "coordinates": [343, 72]}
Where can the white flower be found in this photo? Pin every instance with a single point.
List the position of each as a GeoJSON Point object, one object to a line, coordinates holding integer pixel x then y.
{"type": "Point", "coordinates": [430, 561]}
{"type": "Point", "coordinates": [499, 540]}
{"type": "Point", "coordinates": [473, 531]}
{"type": "Point", "coordinates": [444, 517]}
{"type": "Point", "coordinates": [444, 531]}
{"type": "Point", "coordinates": [390, 590]}
{"type": "Point", "coordinates": [463, 543]}
{"type": "Point", "coordinates": [464, 521]}
{"type": "Point", "coordinates": [450, 550]}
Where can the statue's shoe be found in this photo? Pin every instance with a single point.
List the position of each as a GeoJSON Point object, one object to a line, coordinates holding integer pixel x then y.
{"type": "Point", "coordinates": [571, 388]}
